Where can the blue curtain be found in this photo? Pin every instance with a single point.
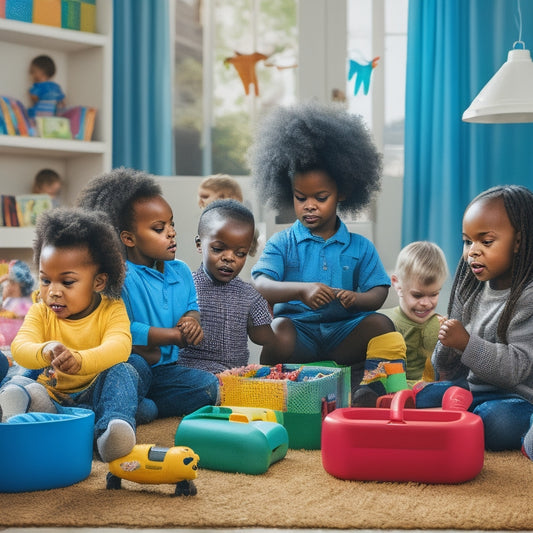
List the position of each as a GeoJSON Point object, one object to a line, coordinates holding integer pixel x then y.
{"type": "Point", "coordinates": [142, 101]}
{"type": "Point", "coordinates": [454, 47]}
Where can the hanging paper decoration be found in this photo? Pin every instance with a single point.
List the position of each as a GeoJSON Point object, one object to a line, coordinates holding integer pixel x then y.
{"type": "Point", "coordinates": [362, 73]}
{"type": "Point", "coordinates": [284, 59]}
{"type": "Point", "coordinates": [245, 66]}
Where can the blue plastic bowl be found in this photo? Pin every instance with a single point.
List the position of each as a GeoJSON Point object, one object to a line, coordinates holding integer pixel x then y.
{"type": "Point", "coordinates": [40, 451]}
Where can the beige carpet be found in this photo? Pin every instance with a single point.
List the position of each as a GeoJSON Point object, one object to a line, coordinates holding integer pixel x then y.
{"type": "Point", "coordinates": [296, 492]}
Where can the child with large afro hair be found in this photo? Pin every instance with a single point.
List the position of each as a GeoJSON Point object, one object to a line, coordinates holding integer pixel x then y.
{"type": "Point", "coordinates": [325, 284]}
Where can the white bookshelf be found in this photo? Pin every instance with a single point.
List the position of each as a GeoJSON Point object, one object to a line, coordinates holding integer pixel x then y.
{"type": "Point", "coordinates": [84, 71]}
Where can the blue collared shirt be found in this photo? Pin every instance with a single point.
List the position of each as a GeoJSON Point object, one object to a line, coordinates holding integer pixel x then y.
{"type": "Point", "coordinates": [344, 261]}
{"type": "Point", "coordinates": [155, 299]}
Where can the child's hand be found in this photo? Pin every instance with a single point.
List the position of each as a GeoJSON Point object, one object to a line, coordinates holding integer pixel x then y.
{"type": "Point", "coordinates": [191, 330]}
{"type": "Point", "coordinates": [453, 334]}
{"type": "Point", "coordinates": [346, 298]}
{"type": "Point", "coordinates": [61, 358]}
{"type": "Point", "coordinates": [316, 295]}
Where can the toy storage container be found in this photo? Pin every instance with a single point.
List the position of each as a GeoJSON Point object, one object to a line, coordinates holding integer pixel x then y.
{"type": "Point", "coordinates": [304, 402]}
{"type": "Point", "coordinates": [234, 439]}
{"type": "Point", "coordinates": [41, 451]}
{"type": "Point", "coordinates": [423, 445]}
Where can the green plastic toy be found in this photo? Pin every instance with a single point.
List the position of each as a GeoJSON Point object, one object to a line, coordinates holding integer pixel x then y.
{"type": "Point", "coordinates": [246, 440]}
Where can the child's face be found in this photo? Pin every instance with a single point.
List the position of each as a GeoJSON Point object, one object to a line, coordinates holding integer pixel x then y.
{"type": "Point", "coordinates": [417, 300]}
{"type": "Point", "coordinates": [315, 198]}
{"type": "Point", "coordinates": [69, 281]}
{"type": "Point", "coordinates": [52, 189]}
{"type": "Point", "coordinates": [37, 74]}
{"type": "Point", "coordinates": [206, 196]}
{"type": "Point", "coordinates": [224, 247]}
{"type": "Point", "coordinates": [153, 237]}
{"type": "Point", "coordinates": [490, 242]}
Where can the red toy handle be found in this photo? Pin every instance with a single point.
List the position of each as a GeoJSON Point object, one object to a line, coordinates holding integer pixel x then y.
{"type": "Point", "coordinates": [457, 399]}
{"type": "Point", "coordinates": [399, 401]}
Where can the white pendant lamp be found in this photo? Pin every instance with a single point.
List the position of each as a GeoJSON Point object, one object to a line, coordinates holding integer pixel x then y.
{"type": "Point", "coordinates": [508, 96]}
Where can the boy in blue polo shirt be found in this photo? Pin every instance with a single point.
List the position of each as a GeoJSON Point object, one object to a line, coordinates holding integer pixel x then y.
{"type": "Point", "coordinates": [324, 282]}
{"type": "Point", "coordinates": [158, 291]}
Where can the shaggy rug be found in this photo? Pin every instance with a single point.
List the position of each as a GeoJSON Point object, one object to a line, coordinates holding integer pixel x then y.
{"type": "Point", "coordinates": [294, 493]}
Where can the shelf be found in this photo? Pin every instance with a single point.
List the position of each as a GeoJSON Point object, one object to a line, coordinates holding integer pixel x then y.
{"type": "Point", "coordinates": [17, 237]}
{"type": "Point", "coordinates": [37, 146]}
{"type": "Point", "coordinates": [48, 37]}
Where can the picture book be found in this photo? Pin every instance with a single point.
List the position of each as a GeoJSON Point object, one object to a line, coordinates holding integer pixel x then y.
{"type": "Point", "coordinates": [54, 127]}
{"type": "Point", "coordinates": [30, 206]}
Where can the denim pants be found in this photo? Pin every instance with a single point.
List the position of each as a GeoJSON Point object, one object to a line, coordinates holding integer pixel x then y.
{"type": "Point", "coordinates": [506, 416]}
{"type": "Point", "coordinates": [176, 390]}
{"type": "Point", "coordinates": [113, 394]}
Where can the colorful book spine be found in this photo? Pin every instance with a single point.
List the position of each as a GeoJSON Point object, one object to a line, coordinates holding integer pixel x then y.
{"type": "Point", "coordinates": [10, 127]}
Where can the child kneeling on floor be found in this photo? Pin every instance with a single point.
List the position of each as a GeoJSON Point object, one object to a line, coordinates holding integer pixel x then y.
{"type": "Point", "coordinates": [324, 282]}
{"type": "Point", "coordinates": [78, 332]}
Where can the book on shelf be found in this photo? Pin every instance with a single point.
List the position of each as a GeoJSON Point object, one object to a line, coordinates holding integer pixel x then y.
{"type": "Point", "coordinates": [14, 119]}
{"type": "Point", "coordinates": [82, 120]}
{"type": "Point", "coordinates": [10, 216]}
{"type": "Point", "coordinates": [30, 206]}
{"type": "Point", "coordinates": [53, 127]}
{"type": "Point", "coordinates": [23, 209]}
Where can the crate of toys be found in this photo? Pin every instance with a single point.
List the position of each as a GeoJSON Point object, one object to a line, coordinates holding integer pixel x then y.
{"type": "Point", "coordinates": [304, 393]}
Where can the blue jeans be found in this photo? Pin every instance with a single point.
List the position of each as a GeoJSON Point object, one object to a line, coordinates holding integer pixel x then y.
{"type": "Point", "coordinates": [176, 390]}
{"type": "Point", "coordinates": [113, 394]}
{"type": "Point", "coordinates": [506, 416]}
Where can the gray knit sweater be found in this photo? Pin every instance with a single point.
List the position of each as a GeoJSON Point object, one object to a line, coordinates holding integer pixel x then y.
{"type": "Point", "coordinates": [487, 362]}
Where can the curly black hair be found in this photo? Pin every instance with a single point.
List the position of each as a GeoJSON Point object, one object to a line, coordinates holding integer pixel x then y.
{"type": "Point", "coordinates": [116, 192]}
{"type": "Point", "coordinates": [227, 208]}
{"type": "Point", "coordinates": [313, 136]}
{"type": "Point", "coordinates": [74, 227]}
{"type": "Point", "coordinates": [518, 203]}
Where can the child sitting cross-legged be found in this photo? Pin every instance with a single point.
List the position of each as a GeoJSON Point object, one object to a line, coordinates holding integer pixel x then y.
{"type": "Point", "coordinates": [419, 275]}
{"type": "Point", "coordinates": [231, 309]}
{"type": "Point", "coordinates": [324, 282]}
{"type": "Point", "coordinates": [78, 331]}
{"type": "Point", "coordinates": [158, 291]}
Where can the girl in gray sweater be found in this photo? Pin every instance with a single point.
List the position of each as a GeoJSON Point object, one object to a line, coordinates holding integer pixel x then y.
{"type": "Point", "coordinates": [485, 344]}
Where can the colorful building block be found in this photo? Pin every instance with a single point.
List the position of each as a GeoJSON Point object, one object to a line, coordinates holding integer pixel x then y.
{"type": "Point", "coordinates": [47, 12]}
{"type": "Point", "coordinates": [19, 10]}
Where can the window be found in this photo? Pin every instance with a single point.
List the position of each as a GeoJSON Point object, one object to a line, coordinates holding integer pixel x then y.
{"type": "Point", "coordinates": [217, 42]}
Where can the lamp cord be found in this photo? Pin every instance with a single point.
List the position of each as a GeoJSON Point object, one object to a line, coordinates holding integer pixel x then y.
{"type": "Point", "coordinates": [519, 27]}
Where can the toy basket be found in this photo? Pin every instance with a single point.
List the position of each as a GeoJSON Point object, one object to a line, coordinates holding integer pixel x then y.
{"type": "Point", "coordinates": [304, 402]}
{"type": "Point", "coordinates": [40, 451]}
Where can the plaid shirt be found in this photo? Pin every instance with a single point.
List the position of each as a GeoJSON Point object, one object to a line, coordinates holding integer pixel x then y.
{"type": "Point", "coordinates": [226, 309]}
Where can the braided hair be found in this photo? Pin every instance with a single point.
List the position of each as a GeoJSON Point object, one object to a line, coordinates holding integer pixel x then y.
{"type": "Point", "coordinates": [518, 203]}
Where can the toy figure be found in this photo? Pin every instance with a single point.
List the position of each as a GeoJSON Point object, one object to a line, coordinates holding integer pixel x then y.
{"type": "Point", "coordinates": [45, 94]}
{"type": "Point", "coordinates": [148, 463]}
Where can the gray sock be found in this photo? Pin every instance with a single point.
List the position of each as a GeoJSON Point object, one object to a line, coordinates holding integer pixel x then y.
{"type": "Point", "coordinates": [40, 399]}
{"type": "Point", "coordinates": [14, 400]}
{"type": "Point", "coordinates": [116, 441]}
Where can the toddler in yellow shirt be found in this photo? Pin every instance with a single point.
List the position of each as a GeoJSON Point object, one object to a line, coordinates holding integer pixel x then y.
{"type": "Point", "coordinates": [78, 332]}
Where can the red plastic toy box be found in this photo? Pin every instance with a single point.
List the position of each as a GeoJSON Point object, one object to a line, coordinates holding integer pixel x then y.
{"type": "Point", "coordinates": [444, 445]}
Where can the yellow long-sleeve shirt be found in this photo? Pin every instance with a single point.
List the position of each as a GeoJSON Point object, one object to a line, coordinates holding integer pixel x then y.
{"type": "Point", "coordinates": [99, 341]}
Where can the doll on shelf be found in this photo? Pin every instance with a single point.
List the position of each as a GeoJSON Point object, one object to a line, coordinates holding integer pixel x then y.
{"type": "Point", "coordinates": [46, 95]}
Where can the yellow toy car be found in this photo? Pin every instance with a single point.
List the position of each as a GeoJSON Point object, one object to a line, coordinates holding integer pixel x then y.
{"type": "Point", "coordinates": [148, 463]}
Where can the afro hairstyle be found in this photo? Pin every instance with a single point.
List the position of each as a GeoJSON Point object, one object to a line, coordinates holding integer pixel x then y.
{"type": "Point", "coordinates": [79, 228]}
{"type": "Point", "coordinates": [116, 192]}
{"type": "Point", "coordinates": [312, 136]}
{"type": "Point", "coordinates": [227, 209]}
